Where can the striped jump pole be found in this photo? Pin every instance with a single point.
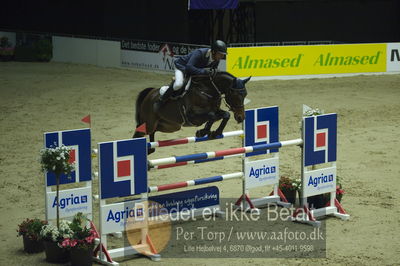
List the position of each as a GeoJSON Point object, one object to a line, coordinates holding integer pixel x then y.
{"type": "Point", "coordinates": [173, 142]}
{"type": "Point", "coordinates": [195, 162]}
{"type": "Point", "coordinates": [195, 182]}
{"type": "Point", "coordinates": [221, 153]}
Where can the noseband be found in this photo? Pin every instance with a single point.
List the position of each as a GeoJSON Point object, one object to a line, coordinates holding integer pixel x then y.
{"type": "Point", "coordinates": [236, 91]}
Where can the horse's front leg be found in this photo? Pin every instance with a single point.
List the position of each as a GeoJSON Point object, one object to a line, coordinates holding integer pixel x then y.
{"type": "Point", "coordinates": [224, 115]}
{"type": "Point", "coordinates": [206, 130]}
{"type": "Point", "coordinates": [151, 150]}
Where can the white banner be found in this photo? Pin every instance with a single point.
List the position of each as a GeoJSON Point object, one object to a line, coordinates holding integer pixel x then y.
{"type": "Point", "coordinates": [71, 202]}
{"type": "Point", "coordinates": [155, 61]}
{"type": "Point", "coordinates": [319, 181]}
{"type": "Point", "coordinates": [261, 173]}
{"type": "Point", "coordinates": [115, 217]}
{"type": "Point", "coordinates": [393, 57]}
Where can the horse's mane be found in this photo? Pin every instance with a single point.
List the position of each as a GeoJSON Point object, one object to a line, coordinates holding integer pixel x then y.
{"type": "Point", "coordinates": [227, 73]}
{"type": "Point", "coordinates": [218, 73]}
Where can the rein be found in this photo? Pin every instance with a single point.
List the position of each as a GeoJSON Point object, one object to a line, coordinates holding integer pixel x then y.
{"type": "Point", "coordinates": [231, 108]}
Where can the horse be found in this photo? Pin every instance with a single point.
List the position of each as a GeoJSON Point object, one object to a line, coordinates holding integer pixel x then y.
{"type": "Point", "coordinates": [198, 105]}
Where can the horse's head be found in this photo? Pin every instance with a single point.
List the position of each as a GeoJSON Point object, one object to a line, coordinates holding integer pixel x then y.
{"type": "Point", "coordinates": [235, 96]}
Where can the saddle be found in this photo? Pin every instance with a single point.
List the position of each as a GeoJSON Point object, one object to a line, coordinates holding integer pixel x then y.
{"type": "Point", "coordinates": [179, 93]}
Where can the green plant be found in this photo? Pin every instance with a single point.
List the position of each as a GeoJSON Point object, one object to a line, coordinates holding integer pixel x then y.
{"type": "Point", "coordinates": [4, 43]}
{"type": "Point", "coordinates": [310, 111]}
{"type": "Point", "coordinates": [31, 228]}
{"type": "Point", "coordinates": [43, 50]}
{"type": "Point", "coordinates": [289, 184]}
{"type": "Point", "coordinates": [83, 236]}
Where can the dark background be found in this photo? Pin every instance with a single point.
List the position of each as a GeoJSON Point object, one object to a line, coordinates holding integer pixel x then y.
{"type": "Point", "coordinates": [347, 21]}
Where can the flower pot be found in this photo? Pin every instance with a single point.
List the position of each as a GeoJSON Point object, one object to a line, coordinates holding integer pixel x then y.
{"type": "Point", "coordinates": [339, 197]}
{"type": "Point", "coordinates": [32, 246]}
{"type": "Point", "coordinates": [54, 253]}
{"type": "Point", "coordinates": [290, 195]}
{"type": "Point", "coordinates": [317, 201]}
{"type": "Point", "coordinates": [81, 256]}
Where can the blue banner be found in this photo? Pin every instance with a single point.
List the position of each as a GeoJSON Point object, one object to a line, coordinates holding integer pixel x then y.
{"type": "Point", "coordinates": [320, 137]}
{"type": "Point", "coordinates": [123, 168]}
{"type": "Point", "coordinates": [261, 126]}
{"type": "Point", "coordinates": [188, 200]}
{"type": "Point", "coordinates": [79, 143]}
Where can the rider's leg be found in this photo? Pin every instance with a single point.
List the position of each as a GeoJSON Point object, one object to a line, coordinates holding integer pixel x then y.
{"type": "Point", "coordinates": [179, 78]}
{"type": "Point", "coordinates": [174, 86]}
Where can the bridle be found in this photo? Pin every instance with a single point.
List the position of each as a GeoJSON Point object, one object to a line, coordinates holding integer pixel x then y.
{"type": "Point", "coordinates": [220, 94]}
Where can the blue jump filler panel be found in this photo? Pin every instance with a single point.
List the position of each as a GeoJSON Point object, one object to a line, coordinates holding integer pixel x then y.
{"type": "Point", "coordinates": [79, 142]}
{"type": "Point", "coordinates": [261, 126]}
{"type": "Point", "coordinates": [188, 199]}
{"type": "Point", "coordinates": [320, 139]}
{"type": "Point", "coordinates": [123, 168]}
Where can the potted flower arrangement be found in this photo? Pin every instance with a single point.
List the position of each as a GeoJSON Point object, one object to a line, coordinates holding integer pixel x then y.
{"type": "Point", "coordinates": [30, 229]}
{"type": "Point", "coordinates": [308, 111]}
{"type": "Point", "coordinates": [52, 237]}
{"type": "Point", "coordinates": [6, 51]}
{"type": "Point", "coordinates": [56, 160]}
{"type": "Point", "coordinates": [289, 188]}
{"type": "Point", "coordinates": [81, 242]}
{"type": "Point", "coordinates": [339, 191]}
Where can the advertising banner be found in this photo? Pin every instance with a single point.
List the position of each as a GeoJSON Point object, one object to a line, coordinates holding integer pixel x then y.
{"type": "Point", "coordinates": [79, 142]}
{"type": "Point", "coordinates": [152, 55]}
{"type": "Point", "coordinates": [123, 170]}
{"type": "Point", "coordinates": [306, 60]}
{"type": "Point", "coordinates": [114, 217]}
{"type": "Point", "coordinates": [262, 173]}
{"type": "Point", "coordinates": [393, 57]}
{"type": "Point", "coordinates": [118, 217]}
{"type": "Point", "coordinates": [261, 126]}
{"type": "Point", "coordinates": [319, 181]}
{"type": "Point", "coordinates": [320, 139]}
{"type": "Point", "coordinates": [71, 202]}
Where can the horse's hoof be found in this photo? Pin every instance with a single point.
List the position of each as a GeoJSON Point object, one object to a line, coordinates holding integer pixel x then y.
{"type": "Point", "coordinates": [214, 135]}
{"type": "Point", "coordinates": [201, 133]}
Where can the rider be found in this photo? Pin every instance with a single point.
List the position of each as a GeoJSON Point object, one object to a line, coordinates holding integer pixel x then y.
{"type": "Point", "coordinates": [201, 61]}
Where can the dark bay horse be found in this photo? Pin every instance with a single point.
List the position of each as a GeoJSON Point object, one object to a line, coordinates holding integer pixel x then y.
{"type": "Point", "coordinates": [201, 104]}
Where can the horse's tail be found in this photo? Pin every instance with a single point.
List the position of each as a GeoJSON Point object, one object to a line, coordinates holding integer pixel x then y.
{"type": "Point", "coordinates": [139, 101]}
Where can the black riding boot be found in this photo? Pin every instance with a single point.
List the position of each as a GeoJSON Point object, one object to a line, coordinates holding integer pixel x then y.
{"type": "Point", "coordinates": [163, 98]}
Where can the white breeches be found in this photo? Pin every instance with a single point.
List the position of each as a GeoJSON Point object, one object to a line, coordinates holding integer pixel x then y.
{"type": "Point", "coordinates": [179, 77]}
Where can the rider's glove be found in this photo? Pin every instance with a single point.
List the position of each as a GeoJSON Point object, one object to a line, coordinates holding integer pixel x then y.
{"type": "Point", "coordinates": [212, 71]}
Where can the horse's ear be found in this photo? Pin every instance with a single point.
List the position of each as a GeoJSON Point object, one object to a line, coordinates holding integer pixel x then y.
{"type": "Point", "coordinates": [246, 80]}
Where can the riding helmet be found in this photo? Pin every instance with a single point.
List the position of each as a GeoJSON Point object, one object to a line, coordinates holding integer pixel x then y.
{"type": "Point", "coordinates": [219, 46]}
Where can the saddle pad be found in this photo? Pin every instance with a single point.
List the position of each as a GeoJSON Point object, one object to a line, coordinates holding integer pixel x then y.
{"type": "Point", "coordinates": [163, 89]}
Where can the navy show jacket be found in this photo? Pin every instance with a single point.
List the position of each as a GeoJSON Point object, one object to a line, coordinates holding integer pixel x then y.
{"type": "Point", "coordinates": [195, 62]}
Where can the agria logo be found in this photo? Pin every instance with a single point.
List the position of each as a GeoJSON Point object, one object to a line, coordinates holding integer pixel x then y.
{"type": "Point", "coordinates": [121, 168]}
{"type": "Point", "coordinates": [262, 171]}
{"type": "Point", "coordinates": [320, 137]}
{"type": "Point", "coordinates": [70, 200]}
{"type": "Point", "coordinates": [261, 127]}
{"type": "Point", "coordinates": [79, 143]}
